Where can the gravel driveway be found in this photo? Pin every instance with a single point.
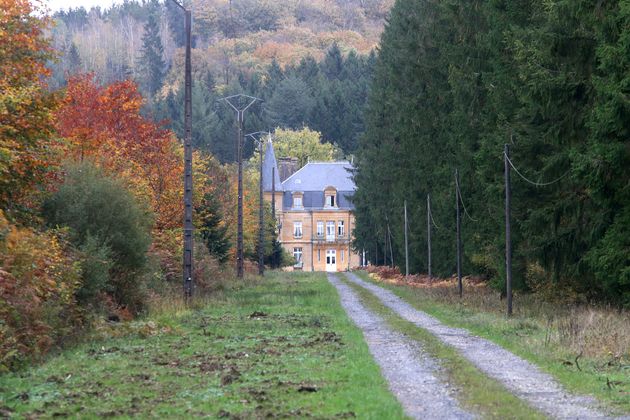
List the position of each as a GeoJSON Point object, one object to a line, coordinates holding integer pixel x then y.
{"type": "Point", "coordinates": [519, 376]}
{"type": "Point", "coordinates": [411, 374]}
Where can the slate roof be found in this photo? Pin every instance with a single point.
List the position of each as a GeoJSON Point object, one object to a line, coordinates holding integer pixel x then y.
{"type": "Point", "coordinates": [316, 176]}
{"type": "Point", "coordinates": [315, 200]}
{"type": "Point", "coordinates": [270, 162]}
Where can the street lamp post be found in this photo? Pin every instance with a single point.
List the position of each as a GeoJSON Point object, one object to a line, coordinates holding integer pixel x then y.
{"type": "Point", "coordinates": [240, 103]}
{"type": "Point", "coordinates": [188, 157]}
{"type": "Point", "coordinates": [261, 217]}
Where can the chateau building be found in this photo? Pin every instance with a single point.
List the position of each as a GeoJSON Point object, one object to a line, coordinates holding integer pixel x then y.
{"type": "Point", "coordinates": [314, 211]}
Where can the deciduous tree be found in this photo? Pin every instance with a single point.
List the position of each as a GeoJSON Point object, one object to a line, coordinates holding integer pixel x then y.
{"type": "Point", "coordinates": [26, 129]}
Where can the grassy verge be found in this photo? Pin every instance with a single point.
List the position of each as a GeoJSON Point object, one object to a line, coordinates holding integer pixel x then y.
{"type": "Point", "coordinates": [280, 347]}
{"type": "Point", "coordinates": [551, 338]}
{"type": "Point", "coordinates": [476, 391]}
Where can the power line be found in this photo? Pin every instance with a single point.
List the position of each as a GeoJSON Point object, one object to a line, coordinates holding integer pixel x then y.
{"type": "Point", "coordinates": [538, 184]}
{"type": "Point", "coordinates": [433, 221]}
{"type": "Point", "coordinates": [462, 201]}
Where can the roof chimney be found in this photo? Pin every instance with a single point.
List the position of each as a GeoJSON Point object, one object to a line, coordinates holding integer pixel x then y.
{"type": "Point", "coordinates": [287, 166]}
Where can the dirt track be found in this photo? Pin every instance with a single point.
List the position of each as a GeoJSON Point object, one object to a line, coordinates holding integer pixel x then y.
{"type": "Point", "coordinates": [410, 372]}
{"type": "Point", "coordinates": [519, 376]}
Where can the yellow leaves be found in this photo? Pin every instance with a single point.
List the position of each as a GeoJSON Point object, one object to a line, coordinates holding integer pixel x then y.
{"type": "Point", "coordinates": [37, 261]}
{"type": "Point", "coordinates": [25, 120]}
{"type": "Point", "coordinates": [38, 278]}
{"type": "Point", "coordinates": [305, 145]}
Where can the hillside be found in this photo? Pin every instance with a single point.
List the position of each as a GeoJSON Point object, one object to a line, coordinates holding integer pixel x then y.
{"type": "Point", "coordinates": [230, 37]}
{"type": "Point", "coordinates": [306, 60]}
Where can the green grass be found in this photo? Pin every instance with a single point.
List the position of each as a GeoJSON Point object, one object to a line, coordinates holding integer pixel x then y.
{"type": "Point", "coordinates": [477, 392]}
{"type": "Point", "coordinates": [280, 347]}
{"type": "Point", "coordinates": [527, 334]}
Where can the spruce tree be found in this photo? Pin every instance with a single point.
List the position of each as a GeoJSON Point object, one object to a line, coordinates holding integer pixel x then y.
{"type": "Point", "coordinates": [74, 59]}
{"type": "Point", "coordinates": [291, 104]}
{"type": "Point", "coordinates": [213, 230]}
{"type": "Point", "coordinates": [152, 64]}
{"type": "Point", "coordinates": [333, 62]}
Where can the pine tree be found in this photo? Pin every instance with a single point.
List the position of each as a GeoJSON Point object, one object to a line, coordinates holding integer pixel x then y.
{"type": "Point", "coordinates": [213, 230]}
{"type": "Point", "coordinates": [291, 104]}
{"type": "Point", "coordinates": [74, 59]}
{"type": "Point", "coordinates": [152, 64]}
{"type": "Point", "coordinates": [333, 62]}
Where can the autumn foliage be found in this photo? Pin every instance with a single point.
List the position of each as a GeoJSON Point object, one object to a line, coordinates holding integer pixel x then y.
{"type": "Point", "coordinates": [38, 279]}
{"type": "Point", "coordinates": [105, 124]}
{"type": "Point", "coordinates": [25, 106]}
{"type": "Point", "coordinates": [91, 201]}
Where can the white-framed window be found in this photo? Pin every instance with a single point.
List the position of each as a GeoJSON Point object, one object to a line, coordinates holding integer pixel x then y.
{"type": "Point", "coordinates": [320, 229]}
{"type": "Point", "coordinates": [330, 200]}
{"type": "Point", "coordinates": [319, 255]}
{"type": "Point", "coordinates": [297, 201]}
{"type": "Point", "coordinates": [341, 228]}
{"type": "Point", "coordinates": [297, 254]}
{"type": "Point", "coordinates": [330, 230]}
{"type": "Point", "coordinates": [297, 229]}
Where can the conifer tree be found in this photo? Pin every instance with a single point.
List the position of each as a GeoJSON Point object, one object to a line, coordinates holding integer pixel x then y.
{"type": "Point", "coordinates": [213, 230]}
{"type": "Point", "coordinates": [152, 64]}
{"type": "Point", "coordinates": [333, 62]}
{"type": "Point", "coordinates": [74, 60]}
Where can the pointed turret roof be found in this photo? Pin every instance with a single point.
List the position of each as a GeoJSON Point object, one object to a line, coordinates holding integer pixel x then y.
{"type": "Point", "coordinates": [269, 163]}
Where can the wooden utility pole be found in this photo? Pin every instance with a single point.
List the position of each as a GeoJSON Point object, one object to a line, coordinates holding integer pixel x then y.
{"type": "Point", "coordinates": [235, 102]}
{"type": "Point", "coordinates": [406, 244]}
{"type": "Point", "coordinates": [261, 218]}
{"type": "Point", "coordinates": [429, 233]}
{"type": "Point", "coordinates": [508, 231]}
{"type": "Point", "coordinates": [188, 156]}
{"type": "Point", "coordinates": [385, 250]}
{"type": "Point", "coordinates": [391, 248]}
{"type": "Point", "coordinates": [239, 222]}
{"type": "Point", "coordinates": [274, 263]}
{"type": "Point", "coordinates": [460, 287]}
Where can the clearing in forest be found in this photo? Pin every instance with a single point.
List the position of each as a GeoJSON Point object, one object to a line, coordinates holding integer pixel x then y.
{"type": "Point", "coordinates": [277, 347]}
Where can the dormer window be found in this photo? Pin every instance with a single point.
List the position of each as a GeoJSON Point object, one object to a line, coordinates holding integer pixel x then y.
{"type": "Point", "coordinates": [297, 201]}
{"type": "Point", "coordinates": [330, 197]}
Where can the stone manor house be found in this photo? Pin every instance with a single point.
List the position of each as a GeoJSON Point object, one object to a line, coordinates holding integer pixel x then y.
{"type": "Point", "coordinates": [314, 211]}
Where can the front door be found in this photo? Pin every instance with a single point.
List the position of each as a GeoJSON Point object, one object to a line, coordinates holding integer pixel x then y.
{"type": "Point", "coordinates": [331, 260]}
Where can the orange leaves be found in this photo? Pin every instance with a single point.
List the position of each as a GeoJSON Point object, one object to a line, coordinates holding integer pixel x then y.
{"type": "Point", "coordinates": [25, 117]}
{"type": "Point", "coordinates": [23, 49]}
{"type": "Point", "coordinates": [77, 118]}
{"type": "Point", "coordinates": [105, 124]}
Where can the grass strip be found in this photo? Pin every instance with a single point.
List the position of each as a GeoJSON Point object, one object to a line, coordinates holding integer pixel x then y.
{"type": "Point", "coordinates": [277, 347]}
{"type": "Point", "coordinates": [526, 337]}
{"type": "Point", "coordinates": [476, 391]}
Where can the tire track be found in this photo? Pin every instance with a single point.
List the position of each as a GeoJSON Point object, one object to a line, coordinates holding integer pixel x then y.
{"type": "Point", "coordinates": [410, 373]}
{"type": "Point", "coordinates": [519, 376]}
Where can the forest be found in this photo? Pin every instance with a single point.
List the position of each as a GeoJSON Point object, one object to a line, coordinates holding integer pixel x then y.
{"type": "Point", "coordinates": [462, 118]}
{"type": "Point", "coordinates": [453, 83]}
{"type": "Point", "coordinates": [91, 159]}
{"type": "Point", "coordinates": [309, 62]}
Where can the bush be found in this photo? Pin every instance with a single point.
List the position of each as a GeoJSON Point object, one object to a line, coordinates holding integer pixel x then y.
{"type": "Point", "coordinates": [95, 266]}
{"type": "Point", "coordinates": [111, 228]}
{"type": "Point", "coordinates": [38, 281]}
